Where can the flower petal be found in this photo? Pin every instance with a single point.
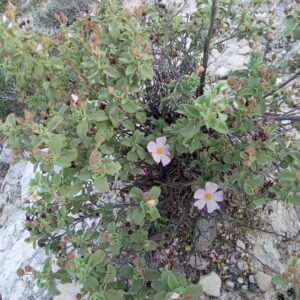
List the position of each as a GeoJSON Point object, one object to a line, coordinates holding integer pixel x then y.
{"type": "Point", "coordinates": [166, 149]}
{"type": "Point", "coordinates": [211, 187]}
{"type": "Point", "coordinates": [151, 147]}
{"type": "Point", "coordinates": [156, 157]}
{"type": "Point", "coordinates": [218, 196]}
{"type": "Point", "coordinates": [199, 194]}
{"type": "Point", "coordinates": [165, 159]}
{"type": "Point", "coordinates": [161, 141]}
{"type": "Point", "coordinates": [212, 205]}
{"type": "Point", "coordinates": [200, 203]}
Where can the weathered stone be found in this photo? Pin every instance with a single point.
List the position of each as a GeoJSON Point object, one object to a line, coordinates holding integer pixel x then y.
{"type": "Point", "coordinates": [240, 245]}
{"type": "Point", "coordinates": [283, 219]}
{"type": "Point", "coordinates": [205, 234]}
{"type": "Point", "coordinates": [263, 281]}
{"type": "Point", "coordinates": [211, 284]}
{"type": "Point", "coordinates": [198, 262]}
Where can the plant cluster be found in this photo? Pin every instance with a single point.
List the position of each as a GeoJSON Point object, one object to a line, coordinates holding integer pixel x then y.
{"type": "Point", "coordinates": [124, 95]}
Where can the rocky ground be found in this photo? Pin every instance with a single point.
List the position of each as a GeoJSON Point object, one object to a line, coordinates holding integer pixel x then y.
{"type": "Point", "coordinates": [236, 260]}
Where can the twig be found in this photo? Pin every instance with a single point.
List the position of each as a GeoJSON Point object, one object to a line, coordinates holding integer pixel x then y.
{"type": "Point", "coordinates": [200, 88]}
{"type": "Point", "coordinates": [283, 84]}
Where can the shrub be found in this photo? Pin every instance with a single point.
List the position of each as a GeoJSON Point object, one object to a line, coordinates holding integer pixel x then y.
{"type": "Point", "coordinates": [124, 95]}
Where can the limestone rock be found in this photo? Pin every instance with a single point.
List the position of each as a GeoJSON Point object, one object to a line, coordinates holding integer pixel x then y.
{"type": "Point", "coordinates": [263, 281]}
{"type": "Point", "coordinates": [198, 262]}
{"type": "Point", "coordinates": [283, 218]}
{"type": "Point", "coordinates": [205, 234]}
{"type": "Point", "coordinates": [211, 284]}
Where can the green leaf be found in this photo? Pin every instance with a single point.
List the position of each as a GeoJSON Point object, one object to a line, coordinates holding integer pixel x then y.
{"type": "Point", "coordinates": [70, 190]}
{"type": "Point", "coordinates": [150, 245]}
{"type": "Point", "coordinates": [130, 106]}
{"type": "Point", "coordinates": [249, 190]}
{"type": "Point", "coordinates": [114, 30]}
{"type": "Point", "coordinates": [112, 72]}
{"type": "Point", "coordinates": [126, 271]}
{"type": "Point", "coordinates": [110, 274]}
{"type": "Point", "coordinates": [188, 110]}
{"type": "Point", "coordinates": [56, 143]}
{"type": "Point", "coordinates": [151, 274]}
{"type": "Point", "coordinates": [160, 296]}
{"type": "Point", "coordinates": [101, 184]}
{"type": "Point", "coordinates": [96, 258]}
{"type": "Point", "coordinates": [219, 126]}
{"type": "Point", "coordinates": [71, 154]}
{"type": "Point", "coordinates": [98, 116]}
{"type": "Point", "coordinates": [129, 125]}
{"type": "Point", "coordinates": [158, 286]}
{"type": "Point", "coordinates": [91, 283]}
{"type": "Point", "coordinates": [137, 216]}
{"type": "Point", "coordinates": [82, 129]}
{"type": "Point", "coordinates": [113, 168]}
{"type": "Point", "coordinates": [136, 194]}
{"type": "Point", "coordinates": [130, 69]}
{"type": "Point", "coordinates": [146, 72]}
{"type": "Point", "coordinates": [53, 289]}
{"type": "Point", "coordinates": [114, 295]}
{"type": "Point", "coordinates": [141, 152]}
{"type": "Point", "coordinates": [279, 281]}
{"type": "Point", "coordinates": [132, 156]}
{"type": "Point", "coordinates": [54, 122]}
{"type": "Point", "coordinates": [194, 290]}
{"type": "Point", "coordinates": [155, 192]}
{"type": "Point", "coordinates": [170, 279]}
{"type": "Point", "coordinates": [141, 117]}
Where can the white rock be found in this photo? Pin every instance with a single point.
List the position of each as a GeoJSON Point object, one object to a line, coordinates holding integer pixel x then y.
{"type": "Point", "coordinates": [6, 155]}
{"type": "Point", "coordinates": [240, 280]}
{"type": "Point", "coordinates": [14, 251]}
{"type": "Point", "coordinates": [230, 284]}
{"type": "Point", "coordinates": [222, 72]}
{"type": "Point", "coordinates": [284, 218]}
{"type": "Point", "coordinates": [240, 245]}
{"type": "Point", "coordinates": [198, 262]}
{"type": "Point", "coordinates": [211, 284]}
{"type": "Point", "coordinates": [252, 279]}
{"type": "Point", "coordinates": [68, 291]}
{"type": "Point", "coordinates": [266, 252]}
{"type": "Point", "coordinates": [263, 281]}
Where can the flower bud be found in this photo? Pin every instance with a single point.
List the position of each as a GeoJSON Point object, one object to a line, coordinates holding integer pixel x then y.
{"type": "Point", "coordinates": [199, 69]}
{"type": "Point", "coordinates": [28, 268]}
{"type": "Point", "coordinates": [20, 272]}
{"type": "Point", "coordinates": [151, 203]}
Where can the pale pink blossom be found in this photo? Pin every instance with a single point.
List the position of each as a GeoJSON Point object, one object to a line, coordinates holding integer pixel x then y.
{"type": "Point", "coordinates": [74, 98]}
{"type": "Point", "coordinates": [160, 150]}
{"type": "Point", "coordinates": [4, 18]}
{"type": "Point", "coordinates": [209, 197]}
{"type": "Point", "coordinates": [39, 48]}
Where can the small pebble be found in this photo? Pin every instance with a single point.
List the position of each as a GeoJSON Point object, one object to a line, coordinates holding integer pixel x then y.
{"type": "Point", "coordinates": [245, 287]}
{"type": "Point", "coordinates": [242, 265]}
{"type": "Point", "coordinates": [240, 280]}
{"type": "Point", "coordinates": [252, 279]}
{"type": "Point", "coordinates": [230, 284]}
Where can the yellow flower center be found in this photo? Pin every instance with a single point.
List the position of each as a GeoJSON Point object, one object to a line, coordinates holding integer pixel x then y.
{"type": "Point", "coordinates": [208, 196]}
{"type": "Point", "coordinates": [160, 151]}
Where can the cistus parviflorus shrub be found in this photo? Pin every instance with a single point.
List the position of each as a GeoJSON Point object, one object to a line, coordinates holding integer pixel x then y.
{"type": "Point", "coordinates": [121, 95]}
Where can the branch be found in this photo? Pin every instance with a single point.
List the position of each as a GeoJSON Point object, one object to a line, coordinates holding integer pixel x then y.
{"type": "Point", "coordinates": [283, 84]}
{"type": "Point", "coordinates": [200, 88]}
{"type": "Point", "coordinates": [287, 118]}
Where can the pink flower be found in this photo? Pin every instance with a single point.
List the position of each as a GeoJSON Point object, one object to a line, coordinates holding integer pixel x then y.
{"type": "Point", "coordinates": [160, 150]}
{"type": "Point", "coordinates": [208, 197]}
{"type": "Point", "coordinates": [74, 98]}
